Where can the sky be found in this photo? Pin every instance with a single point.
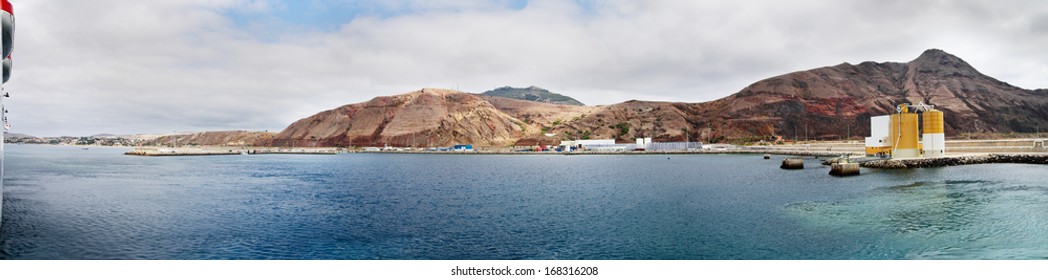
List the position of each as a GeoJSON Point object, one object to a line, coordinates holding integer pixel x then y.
{"type": "Point", "coordinates": [162, 66]}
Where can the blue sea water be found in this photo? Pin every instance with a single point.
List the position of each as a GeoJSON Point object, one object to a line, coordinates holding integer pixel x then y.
{"type": "Point", "coordinates": [69, 203]}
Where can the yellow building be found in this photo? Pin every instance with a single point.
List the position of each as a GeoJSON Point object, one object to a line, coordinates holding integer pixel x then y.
{"type": "Point", "coordinates": [904, 134]}
{"type": "Point", "coordinates": [899, 135]}
{"type": "Point", "coordinates": [933, 140]}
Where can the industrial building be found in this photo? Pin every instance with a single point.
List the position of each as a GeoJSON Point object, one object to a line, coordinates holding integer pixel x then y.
{"type": "Point", "coordinates": [899, 135]}
{"type": "Point", "coordinates": [642, 144]}
{"type": "Point", "coordinates": [586, 144]}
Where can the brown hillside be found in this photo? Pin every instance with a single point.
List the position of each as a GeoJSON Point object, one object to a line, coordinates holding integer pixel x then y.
{"type": "Point", "coordinates": [830, 101]}
{"type": "Point", "coordinates": [823, 103]}
{"type": "Point", "coordinates": [428, 117]}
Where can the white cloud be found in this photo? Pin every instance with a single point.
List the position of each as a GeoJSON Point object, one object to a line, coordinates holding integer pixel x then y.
{"type": "Point", "coordinates": [157, 66]}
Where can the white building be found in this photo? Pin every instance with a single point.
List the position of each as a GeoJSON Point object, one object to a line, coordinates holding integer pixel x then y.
{"type": "Point", "coordinates": [879, 132]}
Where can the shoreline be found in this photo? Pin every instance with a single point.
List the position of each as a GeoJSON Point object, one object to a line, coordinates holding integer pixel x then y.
{"type": "Point", "coordinates": [219, 150]}
{"type": "Point", "coordinates": [671, 152]}
{"type": "Point", "coordinates": [962, 154]}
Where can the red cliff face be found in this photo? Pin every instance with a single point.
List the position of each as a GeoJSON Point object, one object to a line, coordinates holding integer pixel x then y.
{"type": "Point", "coordinates": [828, 102]}
{"type": "Point", "coordinates": [824, 103]}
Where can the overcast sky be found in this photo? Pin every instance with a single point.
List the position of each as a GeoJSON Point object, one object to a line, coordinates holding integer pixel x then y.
{"type": "Point", "coordinates": [125, 67]}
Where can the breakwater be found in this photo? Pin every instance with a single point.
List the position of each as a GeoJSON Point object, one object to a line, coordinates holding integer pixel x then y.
{"type": "Point", "coordinates": [218, 151]}
{"type": "Point", "coordinates": [665, 152]}
{"type": "Point", "coordinates": [181, 152]}
{"type": "Point", "coordinates": [958, 160]}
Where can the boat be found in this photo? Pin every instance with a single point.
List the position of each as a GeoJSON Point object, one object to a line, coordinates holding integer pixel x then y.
{"type": "Point", "coordinates": [7, 19]}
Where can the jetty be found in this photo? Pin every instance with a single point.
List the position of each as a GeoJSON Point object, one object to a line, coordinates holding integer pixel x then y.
{"type": "Point", "coordinates": [156, 152]}
{"type": "Point", "coordinates": [956, 160]}
{"type": "Point", "coordinates": [223, 151]}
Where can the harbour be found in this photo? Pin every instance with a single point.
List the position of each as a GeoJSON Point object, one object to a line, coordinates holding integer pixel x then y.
{"type": "Point", "coordinates": [418, 139]}
{"type": "Point", "coordinates": [957, 152]}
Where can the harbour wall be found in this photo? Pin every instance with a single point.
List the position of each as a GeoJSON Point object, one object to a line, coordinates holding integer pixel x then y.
{"type": "Point", "coordinates": [957, 160]}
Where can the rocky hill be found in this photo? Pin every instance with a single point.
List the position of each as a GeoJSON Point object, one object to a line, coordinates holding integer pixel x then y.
{"type": "Point", "coordinates": [823, 103]}
{"type": "Point", "coordinates": [214, 138]}
{"type": "Point", "coordinates": [829, 102]}
{"type": "Point", "coordinates": [533, 93]}
{"type": "Point", "coordinates": [428, 117]}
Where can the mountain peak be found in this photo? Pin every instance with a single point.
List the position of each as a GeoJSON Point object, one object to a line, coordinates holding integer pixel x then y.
{"type": "Point", "coordinates": [935, 53]}
{"type": "Point", "coordinates": [943, 63]}
{"type": "Point", "coordinates": [532, 93]}
{"type": "Point", "coordinates": [940, 57]}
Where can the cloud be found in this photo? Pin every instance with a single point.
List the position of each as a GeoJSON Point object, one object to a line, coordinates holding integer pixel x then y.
{"type": "Point", "coordinates": [158, 66]}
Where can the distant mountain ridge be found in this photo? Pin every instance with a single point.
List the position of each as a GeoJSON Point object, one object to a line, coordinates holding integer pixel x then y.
{"type": "Point", "coordinates": [533, 93]}
{"type": "Point", "coordinates": [9, 135]}
{"type": "Point", "coordinates": [832, 102]}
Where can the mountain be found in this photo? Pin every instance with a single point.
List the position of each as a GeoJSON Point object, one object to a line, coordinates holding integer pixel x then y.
{"type": "Point", "coordinates": [533, 93]}
{"type": "Point", "coordinates": [830, 101]}
{"type": "Point", "coordinates": [427, 117]}
{"type": "Point", "coordinates": [824, 103]}
{"type": "Point", "coordinates": [8, 135]}
{"type": "Point", "coordinates": [836, 102]}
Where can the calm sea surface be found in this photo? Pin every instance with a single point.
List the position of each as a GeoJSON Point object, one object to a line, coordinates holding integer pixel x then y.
{"type": "Point", "coordinates": [69, 203]}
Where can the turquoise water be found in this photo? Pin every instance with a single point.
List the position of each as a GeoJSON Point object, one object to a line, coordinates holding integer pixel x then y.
{"type": "Point", "coordinates": [68, 203]}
